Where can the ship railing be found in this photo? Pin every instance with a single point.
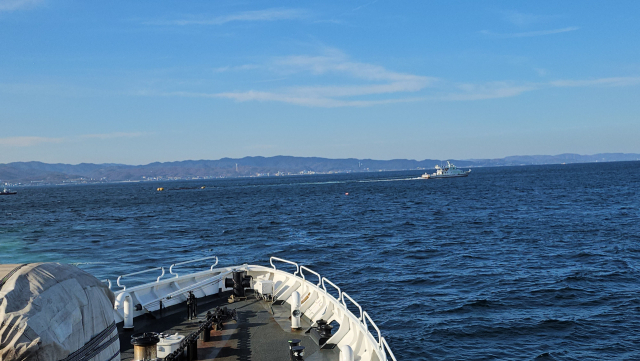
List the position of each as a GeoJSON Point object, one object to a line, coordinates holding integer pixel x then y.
{"type": "Point", "coordinates": [324, 280]}
{"type": "Point", "coordinates": [124, 287]}
{"type": "Point", "coordinates": [310, 271]}
{"type": "Point", "coordinates": [387, 349]}
{"type": "Point", "coordinates": [285, 261]}
{"type": "Point", "coordinates": [382, 344]}
{"type": "Point", "coordinates": [107, 281]}
{"type": "Point", "coordinates": [192, 261]}
{"type": "Point", "coordinates": [193, 287]}
{"type": "Point", "coordinates": [138, 273]}
{"type": "Point", "coordinates": [344, 294]}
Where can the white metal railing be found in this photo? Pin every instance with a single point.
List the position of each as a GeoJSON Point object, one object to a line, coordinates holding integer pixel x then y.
{"type": "Point", "coordinates": [137, 273]}
{"type": "Point", "coordinates": [344, 294]}
{"type": "Point", "coordinates": [387, 349]}
{"type": "Point", "coordinates": [324, 279]}
{"type": "Point", "coordinates": [383, 346]}
{"type": "Point", "coordinates": [193, 260]}
{"type": "Point", "coordinates": [162, 269]}
{"type": "Point", "coordinates": [195, 286]}
{"type": "Point", "coordinates": [107, 281]}
{"type": "Point", "coordinates": [364, 321]}
{"type": "Point", "coordinates": [314, 272]}
{"type": "Point", "coordinates": [285, 261]}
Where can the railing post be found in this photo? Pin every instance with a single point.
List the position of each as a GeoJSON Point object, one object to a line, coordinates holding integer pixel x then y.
{"type": "Point", "coordinates": [159, 277]}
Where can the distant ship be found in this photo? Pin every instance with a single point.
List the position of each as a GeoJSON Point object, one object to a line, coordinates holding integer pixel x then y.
{"type": "Point", "coordinates": [450, 171]}
{"type": "Point", "coordinates": [7, 192]}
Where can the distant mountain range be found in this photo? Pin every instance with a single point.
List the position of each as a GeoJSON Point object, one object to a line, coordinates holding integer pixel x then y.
{"type": "Point", "coordinates": [38, 172]}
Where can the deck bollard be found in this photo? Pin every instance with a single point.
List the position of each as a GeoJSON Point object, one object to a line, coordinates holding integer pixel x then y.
{"type": "Point", "coordinates": [298, 353]}
{"type": "Point", "coordinates": [293, 343]}
{"type": "Point", "coordinates": [205, 335]}
{"type": "Point", "coordinates": [346, 353]}
{"type": "Point", "coordinates": [144, 346]}
{"type": "Point", "coordinates": [192, 350]}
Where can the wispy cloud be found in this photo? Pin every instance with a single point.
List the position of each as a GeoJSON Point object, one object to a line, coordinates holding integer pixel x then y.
{"type": "Point", "coordinates": [529, 33]}
{"type": "Point", "coordinates": [273, 14]}
{"type": "Point", "coordinates": [445, 91]}
{"type": "Point", "coordinates": [292, 98]}
{"type": "Point", "coordinates": [335, 61]}
{"type": "Point", "coordinates": [13, 5]}
{"type": "Point", "coordinates": [615, 82]}
{"type": "Point", "coordinates": [113, 135]}
{"type": "Point", "coordinates": [364, 5]}
{"type": "Point", "coordinates": [29, 141]}
{"type": "Point", "coordinates": [490, 90]}
{"type": "Point", "coordinates": [495, 90]}
{"type": "Point", "coordinates": [237, 67]}
{"type": "Point", "coordinates": [377, 81]}
{"type": "Point", "coordinates": [360, 84]}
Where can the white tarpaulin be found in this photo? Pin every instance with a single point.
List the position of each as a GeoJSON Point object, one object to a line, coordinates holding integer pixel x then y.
{"type": "Point", "coordinates": [54, 312]}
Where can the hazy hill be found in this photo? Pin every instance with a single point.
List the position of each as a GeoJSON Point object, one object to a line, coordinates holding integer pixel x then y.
{"type": "Point", "coordinates": [26, 172]}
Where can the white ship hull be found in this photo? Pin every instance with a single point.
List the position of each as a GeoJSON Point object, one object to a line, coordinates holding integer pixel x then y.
{"type": "Point", "coordinates": [448, 175]}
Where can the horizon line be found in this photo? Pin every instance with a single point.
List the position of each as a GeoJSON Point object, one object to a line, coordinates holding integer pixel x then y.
{"type": "Point", "coordinates": [349, 158]}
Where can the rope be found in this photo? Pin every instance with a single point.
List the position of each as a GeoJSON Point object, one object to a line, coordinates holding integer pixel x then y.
{"type": "Point", "coordinates": [114, 356]}
{"type": "Point", "coordinates": [93, 345]}
{"type": "Point", "coordinates": [102, 347]}
{"type": "Point", "coordinates": [10, 274]}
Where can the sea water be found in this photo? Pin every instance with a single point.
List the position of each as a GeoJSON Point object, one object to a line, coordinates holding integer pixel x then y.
{"type": "Point", "coordinates": [510, 263]}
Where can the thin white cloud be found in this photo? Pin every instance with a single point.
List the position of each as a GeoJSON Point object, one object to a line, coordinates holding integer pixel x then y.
{"type": "Point", "coordinates": [319, 96]}
{"type": "Point", "coordinates": [335, 61]}
{"type": "Point", "coordinates": [364, 5]}
{"type": "Point", "coordinates": [362, 84]}
{"type": "Point", "coordinates": [256, 15]}
{"type": "Point", "coordinates": [491, 90]}
{"type": "Point", "coordinates": [616, 81]}
{"type": "Point", "coordinates": [236, 68]}
{"type": "Point", "coordinates": [13, 5]}
{"type": "Point", "coordinates": [291, 99]}
{"type": "Point", "coordinates": [29, 141]}
{"type": "Point", "coordinates": [495, 90]}
{"type": "Point", "coordinates": [377, 81]}
{"type": "Point", "coordinates": [113, 135]}
{"type": "Point", "coordinates": [530, 33]}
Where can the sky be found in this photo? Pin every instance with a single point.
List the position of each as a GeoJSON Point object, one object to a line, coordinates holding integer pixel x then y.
{"type": "Point", "coordinates": [136, 82]}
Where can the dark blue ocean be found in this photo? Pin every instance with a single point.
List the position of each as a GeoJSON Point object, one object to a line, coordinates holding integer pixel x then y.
{"type": "Point", "coordinates": [512, 263]}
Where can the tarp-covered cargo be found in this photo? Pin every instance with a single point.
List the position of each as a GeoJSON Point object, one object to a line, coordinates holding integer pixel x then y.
{"type": "Point", "coordinates": [54, 312]}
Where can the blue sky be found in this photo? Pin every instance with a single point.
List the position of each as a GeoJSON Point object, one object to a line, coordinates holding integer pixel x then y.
{"type": "Point", "coordinates": [141, 81]}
